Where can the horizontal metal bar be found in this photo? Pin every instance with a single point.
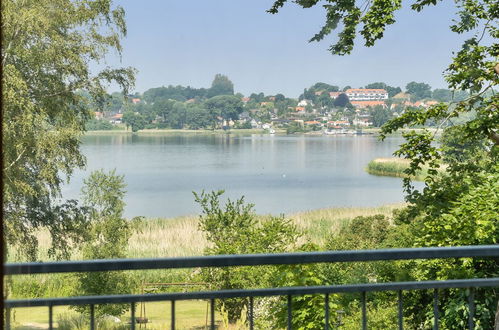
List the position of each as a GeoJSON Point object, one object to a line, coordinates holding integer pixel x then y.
{"type": "Point", "coordinates": [115, 299]}
{"type": "Point", "coordinates": [251, 259]}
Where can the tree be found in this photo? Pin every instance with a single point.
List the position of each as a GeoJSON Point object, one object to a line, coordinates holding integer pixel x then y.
{"type": "Point", "coordinates": [341, 101]}
{"type": "Point", "coordinates": [108, 236]}
{"type": "Point", "coordinates": [197, 117]}
{"type": "Point", "coordinates": [46, 49]}
{"type": "Point", "coordinates": [226, 107]}
{"type": "Point", "coordinates": [221, 85]}
{"type": "Point", "coordinates": [418, 91]}
{"type": "Point", "coordinates": [234, 229]}
{"type": "Point", "coordinates": [464, 190]}
{"type": "Point", "coordinates": [380, 116]}
{"type": "Point", "coordinates": [134, 120]}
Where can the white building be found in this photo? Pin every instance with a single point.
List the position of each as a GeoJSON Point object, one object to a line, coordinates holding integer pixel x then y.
{"type": "Point", "coordinates": [363, 94]}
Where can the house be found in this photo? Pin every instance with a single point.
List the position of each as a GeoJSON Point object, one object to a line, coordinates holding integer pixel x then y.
{"type": "Point", "coordinates": [365, 104]}
{"type": "Point", "coordinates": [362, 121]}
{"type": "Point", "coordinates": [245, 99]}
{"type": "Point", "coordinates": [312, 122]}
{"type": "Point", "coordinates": [244, 115]}
{"type": "Point", "coordinates": [98, 115]}
{"type": "Point", "coordinates": [135, 100]}
{"type": "Point", "coordinates": [190, 101]}
{"type": "Point", "coordinates": [116, 119]}
{"type": "Point", "coordinates": [304, 103]}
{"type": "Point", "coordinates": [338, 123]}
{"type": "Point", "coordinates": [334, 95]}
{"type": "Point", "coordinates": [300, 109]}
{"type": "Point", "coordinates": [365, 94]}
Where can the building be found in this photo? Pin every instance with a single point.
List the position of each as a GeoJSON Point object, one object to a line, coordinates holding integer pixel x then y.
{"type": "Point", "coordinates": [117, 118]}
{"type": "Point", "coordinates": [304, 103]}
{"type": "Point", "coordinates": [135, 100]}
{"type": "Point", "coordinates": [98, 115]}
{"type": "Point", "coordinates": [334, 95]}
{"type": "Point", "coordinates": [363, 94]}
{"type": "Point", "coordinates": [365, 104]}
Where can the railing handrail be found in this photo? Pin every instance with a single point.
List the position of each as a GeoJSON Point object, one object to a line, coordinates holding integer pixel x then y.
{"type": "Point", "coordinates": [251, 259]}
{"type": "Point", "coordinates": [262, 292]}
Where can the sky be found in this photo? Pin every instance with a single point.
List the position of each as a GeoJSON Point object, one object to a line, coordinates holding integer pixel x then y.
{"type": "Point", "coordinates": [177, 42]}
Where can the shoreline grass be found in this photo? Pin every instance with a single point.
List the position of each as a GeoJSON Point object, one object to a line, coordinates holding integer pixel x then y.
{"type": "Point", "coordinates": [180, 236]}
{"type": "Point", "coordinates": [169, 237]}
{"type": "Point", "coordinates": [394, 167]}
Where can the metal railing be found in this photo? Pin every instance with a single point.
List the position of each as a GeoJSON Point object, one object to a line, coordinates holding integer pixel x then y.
{"type": "Point", "coordinates": [486, 251]}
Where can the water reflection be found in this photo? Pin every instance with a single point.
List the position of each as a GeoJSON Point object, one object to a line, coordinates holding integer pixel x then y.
{"type": "Point", "coordinates": [277, 173]}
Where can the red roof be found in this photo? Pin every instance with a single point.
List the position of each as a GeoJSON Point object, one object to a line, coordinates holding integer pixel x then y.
{"type": "Point", "coordinates": [363, 104]}
{"type": "Point", "coordinates": [300, 108]}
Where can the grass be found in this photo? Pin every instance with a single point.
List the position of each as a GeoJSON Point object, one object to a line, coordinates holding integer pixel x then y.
{"type": "Point", "coordinates": [166, 237]}
{"type": "Point", "coordinates": [394, 167]}
{"type": "Point", "coordinates": [189, 314]}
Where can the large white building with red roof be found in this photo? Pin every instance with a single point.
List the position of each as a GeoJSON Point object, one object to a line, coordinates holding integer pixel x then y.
{"type": "Point", "coordinates": [364, 94]}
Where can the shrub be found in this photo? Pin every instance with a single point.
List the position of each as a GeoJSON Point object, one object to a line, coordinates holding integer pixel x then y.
{"type": "Point", "coordinates": [235, 229]}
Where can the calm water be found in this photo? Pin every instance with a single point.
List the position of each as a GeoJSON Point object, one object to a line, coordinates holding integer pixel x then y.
{"type": "Point", "coordinates": [280, 174]}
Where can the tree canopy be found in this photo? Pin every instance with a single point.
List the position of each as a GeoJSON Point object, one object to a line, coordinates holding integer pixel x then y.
{"type": "Point", "coordinates": [221, 85]}
{"type": "Point", "coordinates": [460, 205]}
{"type": "Point", "coordinates": [46, 49]}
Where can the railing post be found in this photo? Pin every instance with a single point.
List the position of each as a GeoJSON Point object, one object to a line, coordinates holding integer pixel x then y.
{"type": "Point", "coordinates": [173, 315]}
{"type": "Point", "coordinates": [251, 325]}
{"type": "Point", "coordinates": [92, 317]}
{"type": "Point", "coordinates": [132, 310]}
{"type": "Point", "coordinates": [290, 315]}
{"type": "Point", "coordinates": [400, 310]}
{"type": "Point", "coordinates": [364, 311]}
{"type": "Point", "coordinates": [51, 317]}
{"type": "Point", "coordinates": [212, 314]}
{"type": "Point", "coordinates": [326, 311]}
{"type": "Point", "coordinates": [471, 307]}
{"type": "Point", "coordinates": [435, 310]}
{"type": "Point", "coordinates": [7, 318]}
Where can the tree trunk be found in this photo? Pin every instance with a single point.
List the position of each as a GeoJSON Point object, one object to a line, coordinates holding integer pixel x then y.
{"type": "Point", "coordinates": [497, 317]}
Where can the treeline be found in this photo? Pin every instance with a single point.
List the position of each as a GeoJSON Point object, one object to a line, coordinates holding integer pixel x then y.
{"type": "Point", "coordinates": [179, 107]}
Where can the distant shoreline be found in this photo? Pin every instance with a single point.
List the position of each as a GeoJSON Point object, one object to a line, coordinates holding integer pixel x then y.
{"type": "Point", "coordinates": [372, 131]}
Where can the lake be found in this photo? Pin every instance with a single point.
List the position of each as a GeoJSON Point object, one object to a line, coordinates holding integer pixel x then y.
{"type": "Point", "coordinates": [279, 174]}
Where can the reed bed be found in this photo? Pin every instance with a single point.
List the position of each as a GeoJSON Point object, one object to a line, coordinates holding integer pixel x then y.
{"type": "Point", "coordinates": [394, 167]}
{"type": "Point", "coordinates": [181, 237]}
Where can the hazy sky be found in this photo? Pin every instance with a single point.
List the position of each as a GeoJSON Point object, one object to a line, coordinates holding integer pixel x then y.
{"type": "Point", "coordinates": [181, 42]}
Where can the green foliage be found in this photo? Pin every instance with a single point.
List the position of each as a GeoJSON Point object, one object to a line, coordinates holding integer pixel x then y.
{"type": "Point", "coordinates": [108, 238]}
{"type": "Point", "coordinates": [307, 310]}
{"type": "Point", "coordinates": [341, 101]}
{"type": "Point", "coordinates": [223, 106]}
{"type": "Point", "coordinates": [134, 120]}
{"type": "Point", "coordinates": [418, 91]}
{"type": "Point", "coordinates": [221, 85]}
{"type": "Point", "coordinates": [46, 48]}
{"type": "Point", "coordinates": [380, 116]}
{"type": "Point", "coordinates": [235, 229]}
{"type": "Point", "coordinates": [98, 125]}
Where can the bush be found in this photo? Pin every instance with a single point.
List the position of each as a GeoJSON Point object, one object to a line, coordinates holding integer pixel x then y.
{"type": "Point", "coordinates": [98, 125]}
{"type": "Point", "coordinates": [235, 229]}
